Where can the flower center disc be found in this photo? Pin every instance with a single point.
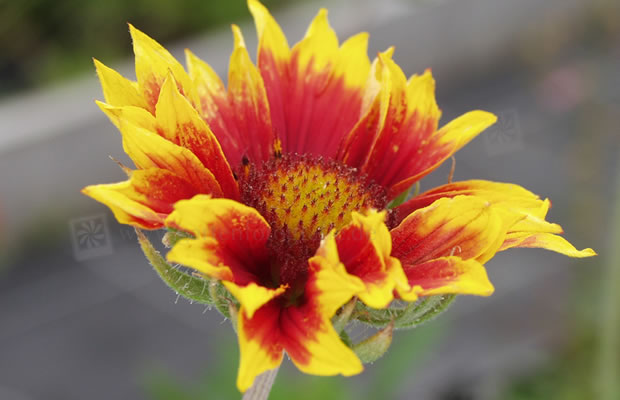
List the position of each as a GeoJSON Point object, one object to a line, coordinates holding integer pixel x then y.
{"type": "Point", "coordinates": [303, 199]}
{"type": "Point", "coordinates": [306, 198]}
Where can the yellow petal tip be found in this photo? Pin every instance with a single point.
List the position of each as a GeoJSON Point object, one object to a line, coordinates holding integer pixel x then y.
{"type": "Point", "coordinates": [588, 252]}
{"type": "Point", "coordinates": [238, 36]}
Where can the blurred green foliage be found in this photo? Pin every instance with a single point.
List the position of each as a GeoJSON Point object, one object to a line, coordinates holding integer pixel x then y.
{"type": "Point", "coordinates": [43, 40]}
{"type": "Point", "coordinates": [567, 377]}
{"type": "Point", "coordinates": [383, 379]}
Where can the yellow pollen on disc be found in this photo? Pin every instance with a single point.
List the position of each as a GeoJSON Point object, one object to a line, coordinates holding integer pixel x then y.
{"type": "Point", "coordinates": [310, 197]}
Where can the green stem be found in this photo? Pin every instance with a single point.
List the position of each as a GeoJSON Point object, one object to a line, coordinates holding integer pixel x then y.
{"type": "Point", "coordinates": [262, 386]}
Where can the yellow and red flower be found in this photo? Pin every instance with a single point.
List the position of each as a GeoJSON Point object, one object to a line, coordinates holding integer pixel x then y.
{"type": "Point", "coordinates": [283, 179]}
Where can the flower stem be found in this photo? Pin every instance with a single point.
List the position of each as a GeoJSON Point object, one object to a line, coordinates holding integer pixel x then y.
{"type": "Point", "coordinates": [262, 386]}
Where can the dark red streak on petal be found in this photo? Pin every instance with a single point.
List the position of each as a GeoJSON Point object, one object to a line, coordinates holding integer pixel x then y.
{"type": "Point", "coordinates": [358, 254]}
{"type": "Point", "coordinates": [160, 192]}
{"type": "Point", "coordinates": [207, 151]}
{"type": "Point", "coordinates": [275, 78]}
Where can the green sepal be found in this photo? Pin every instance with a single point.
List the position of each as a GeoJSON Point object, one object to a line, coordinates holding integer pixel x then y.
{"type": "Point", "coordinates": [376, 317]}
{"type": "Point", "coordinates": [373, 348]}
{"type": "Point", "coordinates": [424, 311]}
{"type": "Point", "coordinates": [192, 287]}
{"type": "Point", "coordinates": [344, 336]}
{"type": "Point", "coordinates": [173, 236]}
{"type": "Point", "coordinates": [233, 312]}
{"type": "Point", "coordinates": [405, 316]}
{"type": "Point", "coordinates": [340, 320]}
{"type": "Point", "coordinates": [222, 299]}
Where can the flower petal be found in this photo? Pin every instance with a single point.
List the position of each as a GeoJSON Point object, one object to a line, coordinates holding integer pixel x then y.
{"type": "Point", "coordinates": [214, 107]}
{"type": "Point", "coordinates": [513, 202]}
{"type": "Point", "coordinates": [464, 226]}
{"type": "Point", "coordinates": [153, 63]}
{"type": "Point", "coordinates": [149, 150]}
{"type": "Point", "coordinates": [117, 90]}
{"type": "Point", "coordinates": [331, 279]}
{"type": "Point", "coordinates": [248, 99]}
{"type": "Point", "coordinates": [364, 247]}
{"type": "Point", "coordinates": [545, 241]}
{"type": "Point", "coordinates": [356, 147]}
{"type": "Point", "coordinates": [145, 199]}
{"type": "Point", "coordinates": [252, 296]}
{"type": "Point", "coordinates": [326, 89]}
{"type": "Point", "coordinates": [504, 194]}
{"type": "Point", "coordinates": [272, 61]}
{"type": "Point", "coordinates": [446, 275]}
{"type": "Point", "coordinates": [306, 329]}
{"type": "Point", "coordinates": [442, 144]}
{"type": "Point", "coordinates": [129, 115]}
{"type": "Point", "coordinates": [229, 237]}
{"type": "Point", "coordinates": [319, 45]}
{"type": "Point", "coordinates": [207, 256]}
{"type": "Point", "coordinates": [182, 125]}
{"type": "Point", "coordinates": [260, 344]}
{"type": "Point", "coordinates": [397, 141]}
{"type": "Point", "coordinates": [313, 344]}
{"type": "Point", "coordinates": [271, 40]}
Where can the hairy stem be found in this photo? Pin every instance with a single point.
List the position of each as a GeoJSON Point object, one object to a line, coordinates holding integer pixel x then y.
{"type": "Point", "coordinates": [262, 386]}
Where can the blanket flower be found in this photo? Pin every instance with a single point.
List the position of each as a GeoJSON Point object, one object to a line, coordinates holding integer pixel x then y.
{"type": "Point", "coordinates": [284, 181]}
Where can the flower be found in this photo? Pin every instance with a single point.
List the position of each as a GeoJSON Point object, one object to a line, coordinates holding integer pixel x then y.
{"type": "Point", "coordinates": [283, 180]}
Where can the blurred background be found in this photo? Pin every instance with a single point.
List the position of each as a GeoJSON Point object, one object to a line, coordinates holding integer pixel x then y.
{"type": "Point", "coordinates": [82, 315]}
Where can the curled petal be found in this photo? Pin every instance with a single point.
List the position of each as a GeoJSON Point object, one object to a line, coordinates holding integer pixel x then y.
{"type": "Point", "coordinates": [446, 275]}
{"type": "Point", "coordinates": [503, 194]}
{"type": "Point", "coordinates": [335, 285]}
{"type": "Point", "coordinates": [464, 226]}
{"type": "Point", "coordinates": [252, 296]}
{"type": "Point", "coordinates": [364, 247]}
{"type": "Point", "coordinates": [145, 199]}
{"type": "Point", "coordinates": [181, 124]}
{"type": "Point", "coordinates": [304, 331]}
{"type": "Point", "coordinates": [308, 335]}
{"type": "Point", "coordinates": [545, 241]}
{"type": "Point", "coordinates": [230, 237]}
{"type": "Point", "coordinates": [534, 220]}
{"type": "Point", "coordinates": [526, 209]}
